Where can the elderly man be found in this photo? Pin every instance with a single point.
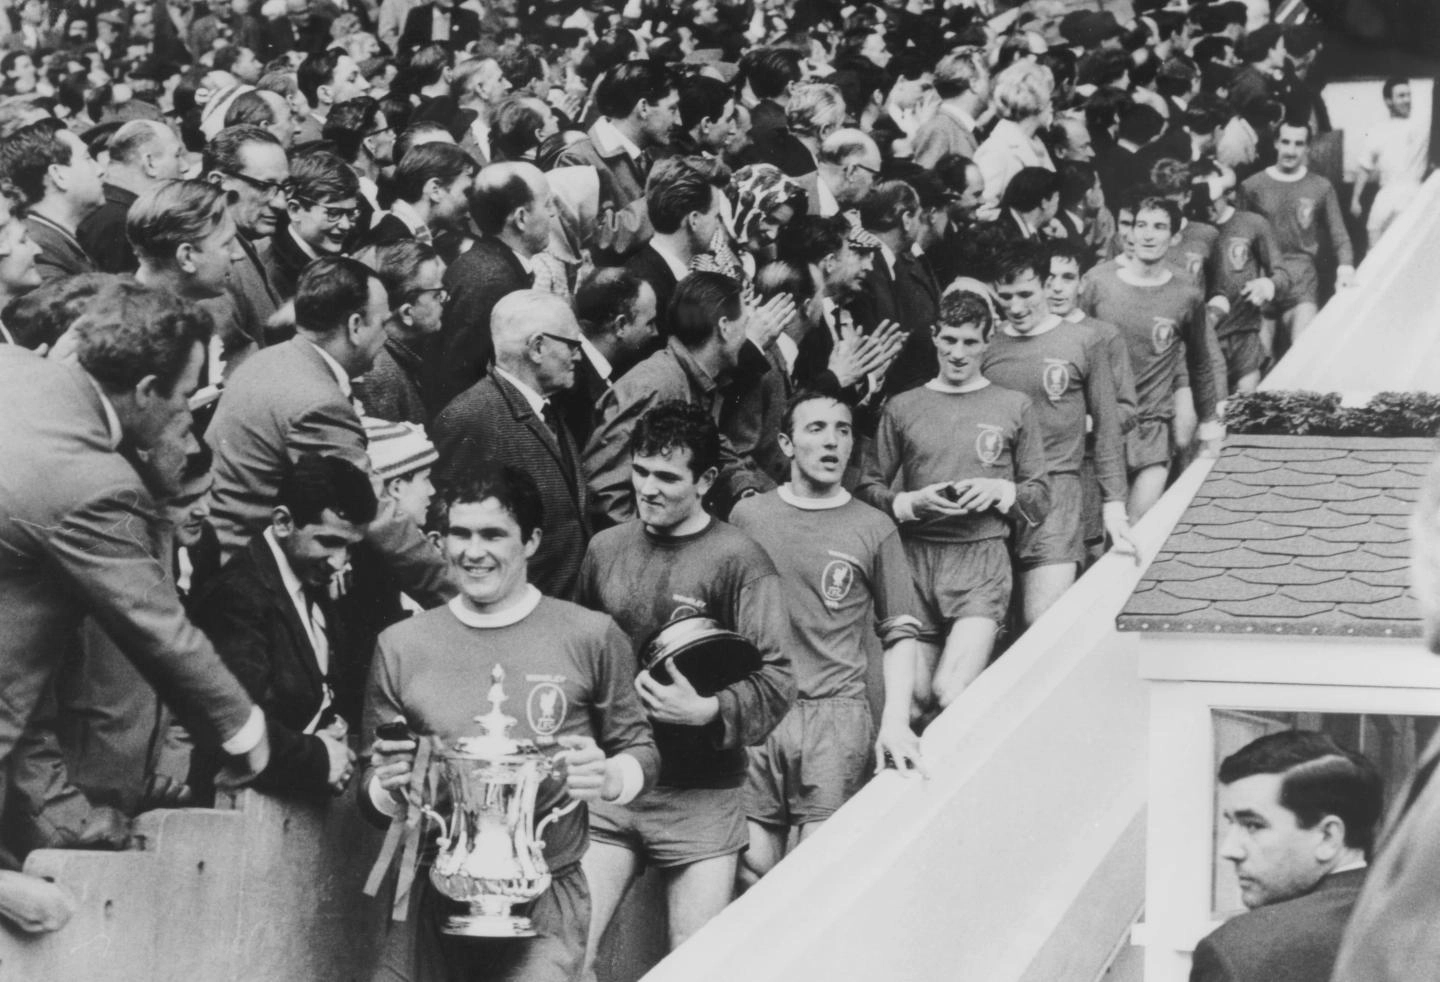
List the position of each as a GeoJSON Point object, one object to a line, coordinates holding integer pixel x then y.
{"type": "Point", "coordinates": [848, 164]}
{"type": "Point", "coordinates": [1300, 814]}
{"type": "Point", "coordinates": [508, 417]}
{"type": "Point", "coordinates": [414, 278]}
{"type": "Point", "coordinates": [513, 209]}
{"type": "Point", "coordinates": [89, 545]}
{"type": "Point", "coordinates": [61, 184]}
{"type": "Point", "coordinates": [142, 154]}
{"type": "Point", "coordinates": [294, 398]}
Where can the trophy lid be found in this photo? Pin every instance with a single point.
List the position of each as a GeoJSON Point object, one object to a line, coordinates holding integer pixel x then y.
{"type": "Point", "coordinates": [495, 742]}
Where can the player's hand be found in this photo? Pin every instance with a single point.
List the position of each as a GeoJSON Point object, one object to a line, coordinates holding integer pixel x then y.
{"type": "Point", "coordinates": [931, 501]}
{"type": "Point", "coordinates": [897, 747]}
{"type": "Point", "coordinates": [1345, 277]}
{"type": "Point", "coordinates": [583, 765]}
{"type": "Point", "coordinates": [677, 703]}
{"type": "Point", "coordinates": [341, 758]}
{"type": "Point", "coordinates": [1117, 526]}
{"type": "Point", "coordinates": [34, 905]}
{"type": "Point", "coordinates": [983, 493]}
{"type": "Point", "coordinates": [1259, 291]}
{"type": "Point", "coordinates": [1355, 208]}
{"type": "Point", "coordinates": [391, 762]}
{"type": "Point", "coordinates": [241, 770]}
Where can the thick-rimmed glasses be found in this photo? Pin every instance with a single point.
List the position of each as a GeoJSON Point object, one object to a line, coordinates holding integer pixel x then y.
{"type": "Point", "coordinates": [572, 343]}
{"type": "Point", "coordinates": [267, 189]}
{"type": "Point", "coordinates": [333, 215]}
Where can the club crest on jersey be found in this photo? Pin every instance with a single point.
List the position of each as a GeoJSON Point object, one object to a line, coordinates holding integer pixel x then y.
{"type": "Point", "coordinates": [989, 444]}
{"type": "Point", "coordinates": [545, 708]}
{"type": "Point", "coordinates": [1237, 251]}
{"type": "Point", "coordinates": [1055, 378]}
{"type": "Point", "coordinates": [1194, 264]}
{"type": "Point", "coordinates": [1305, 212]}
{"type": "Point", "coordinates": [836, 580]}
{"type": "Point", "coordinates": [1162, 334]}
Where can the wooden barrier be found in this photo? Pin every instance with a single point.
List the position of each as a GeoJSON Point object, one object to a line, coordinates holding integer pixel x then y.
{"type": "Point", "coordinates": [259, 890]}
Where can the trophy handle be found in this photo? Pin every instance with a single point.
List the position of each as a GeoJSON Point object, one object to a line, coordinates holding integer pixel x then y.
{"type": "Point", "coordinates": [555, 813]}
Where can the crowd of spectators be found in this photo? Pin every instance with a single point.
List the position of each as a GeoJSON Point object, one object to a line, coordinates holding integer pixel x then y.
{"type": "Point", "coordinates": [355, 348]}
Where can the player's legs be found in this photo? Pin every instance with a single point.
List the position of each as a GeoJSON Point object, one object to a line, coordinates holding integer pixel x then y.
{"type": "Point", "coordinates": [609, 870]}
{"type": "Point", "coordinates": [1298, 318]}
{"type": "Point", "coordinates": [697, 892]}
{"type": "Point", "coordinates": [927, 660]}
{"type": "Point", "coordinates": [767, 847]}
{"type": "Point", "coordinates": [1185, 423]}
{"type": "Point", "coordinates": [1146, 487]}
{"type": "Point", "coordinates": [968, 647]}
{"type": "Point", "coordinates": [1042, 586]}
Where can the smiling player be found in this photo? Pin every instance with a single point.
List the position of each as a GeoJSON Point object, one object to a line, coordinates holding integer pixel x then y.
{"type": "Point", "coordinates": [970, 458]}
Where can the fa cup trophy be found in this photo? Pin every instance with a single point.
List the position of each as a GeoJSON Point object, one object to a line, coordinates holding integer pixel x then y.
{"type": "Point", "coordinates": [492, 856]}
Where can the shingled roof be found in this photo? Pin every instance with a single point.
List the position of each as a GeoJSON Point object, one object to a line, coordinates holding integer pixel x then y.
{"type": "Point", "coordinates": [1292, 535]}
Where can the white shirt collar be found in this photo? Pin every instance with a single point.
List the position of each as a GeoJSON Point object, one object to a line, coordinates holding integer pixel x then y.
{"type": "Point", "coordinates": [340, 377]}
{"type": "Point", "coordinates": [112, 418]}
{"type": "Point", "coordinates": [536, 400]}
{"type": "Point", "coordinates": [404, 211]}
{"type": "Point", "coordinates": [610, 139]}
{"type": "Point", "coordinates": [293, 587]}
{"type": "Point", "coordinates": [838, 500]}
{"type": "Point", "coordinates": [679, 269]}
{"type": "Point", "coordinates": [825, 203]}
{"type": "Point", "coordinates": [889, 255]}
{"type": "Point", "coordinates": [304, 246]}
{"type": "Point", "coordinates": [524, 261]}
{"type": "Point", "coordinates": [511, 615]}
{"type": "Point", "coordinates": [789, 350]}
{"type": "Point", "coordinates": [1357, 864]}
{"type": "Point", "coordinates": [600, 362]}
{"type": "Point", "coordinates": [5, 333]}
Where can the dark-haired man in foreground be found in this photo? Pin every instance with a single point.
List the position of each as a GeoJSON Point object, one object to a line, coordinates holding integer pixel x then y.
{"type": "Point", "coordinates": [1300, 815]}
{"type": "Point", "coordinates": [675, 561]}
{"type": "Point", "coordinates": [433, 672]}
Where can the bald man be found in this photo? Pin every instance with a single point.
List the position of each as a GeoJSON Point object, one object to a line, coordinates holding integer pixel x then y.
{"type": "Point", "coordinates": [142, 154]}
{"type": "Point", "coordinates": [508, 417]}
{"type": "Point", "coordinates": [513, 209]}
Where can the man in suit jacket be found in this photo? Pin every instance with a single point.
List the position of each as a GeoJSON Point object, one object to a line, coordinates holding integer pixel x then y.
{"type": "Point", "coordinates": [271, 615]}
{"type": "Point", "coordinates": [962, 81]}
{"type": "Point", "coordinates": [617, 314]}
{"type": "Point", "coordinates": [60, 181]}
{"type": "Point", "coordinates": [143, 153]}
{"type": "Point", "coordinates": [508, 417]}
{"type": "Point", "coordinates": [899, 287]}
{"type": "Point", "coordinates": [440, 22]}
{"type": "Point", "coordinates": [1392, 936]}
{"type": "Point", "coordinates": [88, 545]}
{"type": "Point", "coordinates": [1300, 814]}
{"type": "Point", "coordinates": [249, 163]}
{"type": "Point", "coordinates": [294, 398]}
{"type": "Point", "coordinates": [684, 210]}
{"type": "Point", "coordinates": [513, 208]}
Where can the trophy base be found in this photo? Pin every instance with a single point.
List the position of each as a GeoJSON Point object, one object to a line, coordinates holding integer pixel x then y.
{"type": "Point", "coordinates": [489, 926]}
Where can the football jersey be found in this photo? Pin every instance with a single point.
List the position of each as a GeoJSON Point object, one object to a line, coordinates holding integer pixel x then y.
{"type": "Point", "coordinates": [1304, 212]}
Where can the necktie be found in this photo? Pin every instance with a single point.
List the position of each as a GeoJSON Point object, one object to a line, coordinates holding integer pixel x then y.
{"type": "Point", "coordinates": [552, 419]}
{"type": "Point", "coordinates": [320, 641]}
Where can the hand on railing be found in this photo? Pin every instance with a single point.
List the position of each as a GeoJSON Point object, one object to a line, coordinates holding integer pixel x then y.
{"type": "Point", "coordinates": [34, 905]}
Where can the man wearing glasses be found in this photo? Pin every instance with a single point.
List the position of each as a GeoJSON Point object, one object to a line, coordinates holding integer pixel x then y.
{"type": "Point", "coordinates": [322, 203]}
{"type": "Point", "coordinates": [846, 170]}
{"type": "Point", "coordinates": [509, 417]}
{"type": "Point", "coordinates": [250, 163]}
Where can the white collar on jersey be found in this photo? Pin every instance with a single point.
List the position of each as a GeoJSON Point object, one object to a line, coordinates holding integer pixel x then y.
{"type": "Point", "coordinates": [505, 618]}
{"type": "Point", "coordinates": [838, 500]}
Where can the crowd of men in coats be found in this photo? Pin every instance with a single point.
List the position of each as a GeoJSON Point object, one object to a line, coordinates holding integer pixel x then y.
{"type": "Point", "coordinates": [356, 351]}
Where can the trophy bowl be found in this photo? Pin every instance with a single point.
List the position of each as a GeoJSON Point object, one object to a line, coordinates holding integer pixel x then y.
{"type": "Point", "coordinates": [491, 855]}
{"type": "Point", "coordinates": [711, 657]}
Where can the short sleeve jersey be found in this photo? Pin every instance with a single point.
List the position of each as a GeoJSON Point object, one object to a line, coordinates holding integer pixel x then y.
{"type": "Point", "coordinates": [844, 574]}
